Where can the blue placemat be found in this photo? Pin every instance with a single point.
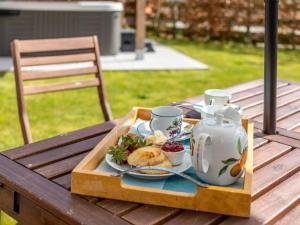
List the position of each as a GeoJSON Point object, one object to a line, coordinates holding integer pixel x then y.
{"type": "Point", "coordinates": [173, 183]}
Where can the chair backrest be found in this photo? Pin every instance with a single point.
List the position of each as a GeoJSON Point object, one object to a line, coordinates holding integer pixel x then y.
{"type": "Point", "coordinates": [29, 54]}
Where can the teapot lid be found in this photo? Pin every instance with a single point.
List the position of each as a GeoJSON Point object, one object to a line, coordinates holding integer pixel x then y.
{"type": "Point", "coordinates": [217, 120]}
{"type": "Point", "coordinates": [228, 113]}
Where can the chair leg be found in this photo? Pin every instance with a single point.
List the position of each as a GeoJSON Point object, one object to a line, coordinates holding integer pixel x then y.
{"type": "Point", "coordinates": [25, 126]}
{"type": "Point", "coordinates": [107, 114]}
{"type": "Point", "coordinates": [100, 88]}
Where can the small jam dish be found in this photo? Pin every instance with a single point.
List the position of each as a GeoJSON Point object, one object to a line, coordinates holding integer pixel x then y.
{"type": "Point", "coordinates": [176, 158]}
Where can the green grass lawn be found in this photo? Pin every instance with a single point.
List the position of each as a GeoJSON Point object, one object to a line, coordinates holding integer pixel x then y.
{"type": "Point", "coordinates": [6, 219]}
{"type": "Point", "coordinates": [56, 113]}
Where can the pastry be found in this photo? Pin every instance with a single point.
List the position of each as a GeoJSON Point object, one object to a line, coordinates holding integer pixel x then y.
{"type": "Point", "coordinates": [149, 156]}
{"type": "Point", "coordinates": [146, 156]}
{"type": "Point", "coordinates": [165, 163]}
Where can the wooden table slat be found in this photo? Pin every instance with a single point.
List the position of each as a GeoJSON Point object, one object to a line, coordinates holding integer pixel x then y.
{"type": "Point", "coordinates": [289, 134]}
{"type": "Point", "coordinates": [258, 142]}
{"type": "Point", "coordinates": [61, 167]}
{"type": "Point", "coordinates": [273, 205]}
{"type": "Point", "coordinates": [60, 153]}
{"type": "Point", "coordinates": [284, 100]}
{"type": "Point", "coordinates": [91, 199]}
{"type": "Point", "coordinates": [268, 153]}
{"type": "Point", "coordinates": [255, 100]}
{"type": "Point", "coordinates": [283, 140]}
{"type": "Point", "coordinates": [275, 172]}
{"type": "Point", "coordinates": [194, 218]}
{"type": "Point", "coordinates": [284, 111]}
{"type": "Point", "coordinates": [58, 141]}
{"type": "Point", "coordinates": [290, 122]}
{"type": "Point", "coordinates": [296, 129]}
{"type": "Point", "coordinates": [247, 85]}
{"type": "Point", "coordinates": [64, 181]}
{"type": "Point", "coordinates": [189, 112]}
{"type": "Point", "coordinates": [51, 197]}
{"type": "Point", "coordinates": [253, 92]}
{"type": "Point", "coordinates": [150, 215]}
{"type": "Point", "coordinates": [291, 218]}
{"type": "Point", "coordinates": [117, 207]}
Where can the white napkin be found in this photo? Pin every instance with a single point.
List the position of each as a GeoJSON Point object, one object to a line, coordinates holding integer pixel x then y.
{"type": "Point", "coordinates": [133, 128]}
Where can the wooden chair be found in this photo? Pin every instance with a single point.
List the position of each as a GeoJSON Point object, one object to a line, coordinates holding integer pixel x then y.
{"type": "Point", "coordinates": [56, 51]}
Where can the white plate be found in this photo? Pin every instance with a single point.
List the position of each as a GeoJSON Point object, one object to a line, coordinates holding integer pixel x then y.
{"type": "Point", "coordinates": [144, 130]}
{"type": "Point", "coordinates": [180, 168]}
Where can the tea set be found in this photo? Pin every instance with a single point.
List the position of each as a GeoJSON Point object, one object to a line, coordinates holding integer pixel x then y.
{"type": "Point", "coordinates": [218, 142]}
{"type": "Point", "coordinates": [215, 147]}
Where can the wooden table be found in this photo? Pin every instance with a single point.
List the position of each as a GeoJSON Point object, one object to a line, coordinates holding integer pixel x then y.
{"type": "Point", "coordinates": [35, 179]}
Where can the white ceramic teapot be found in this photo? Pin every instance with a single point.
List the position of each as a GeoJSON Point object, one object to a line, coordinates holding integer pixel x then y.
{"type": "Point", "coordinates": [219, 147]}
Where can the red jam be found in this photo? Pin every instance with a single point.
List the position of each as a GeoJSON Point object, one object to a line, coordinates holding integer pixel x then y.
{"type": "Point", "coordinates": [172, 146]}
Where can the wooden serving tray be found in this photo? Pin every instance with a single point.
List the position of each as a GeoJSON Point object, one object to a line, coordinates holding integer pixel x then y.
{"type": "Point", "coordinates": [228, 200]}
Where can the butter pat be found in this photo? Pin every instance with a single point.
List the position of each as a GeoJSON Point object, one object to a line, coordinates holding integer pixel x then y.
{"type": "Point", "coordinates": [158, 138]}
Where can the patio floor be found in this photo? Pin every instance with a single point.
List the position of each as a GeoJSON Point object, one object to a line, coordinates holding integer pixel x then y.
{"type": "Point", "coordinates": [164, 58]}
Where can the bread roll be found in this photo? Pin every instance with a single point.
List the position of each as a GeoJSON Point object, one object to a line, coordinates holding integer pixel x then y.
{"type": "Point", "coordinates": [146, 156]}
{"type": "Point", "coordinates": [149, 156]}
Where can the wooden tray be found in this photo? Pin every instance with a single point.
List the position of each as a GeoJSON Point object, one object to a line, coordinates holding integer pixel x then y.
{"type": "Point", "coordinates": [224, 200]}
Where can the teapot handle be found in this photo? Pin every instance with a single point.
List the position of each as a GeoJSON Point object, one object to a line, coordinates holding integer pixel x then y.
{"type": "Point", "coordinates": [201, 152]}
{"type": "Point", "coordinates": [212, 101]}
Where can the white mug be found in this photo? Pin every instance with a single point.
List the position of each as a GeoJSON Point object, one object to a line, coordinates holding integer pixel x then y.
{"type": "Point", "coordinates": [217, 97]}
{"type": "Point", "coordinates": [167, 119]}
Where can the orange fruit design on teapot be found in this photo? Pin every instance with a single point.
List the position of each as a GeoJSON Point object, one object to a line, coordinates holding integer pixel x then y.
{"type": "Point", "coordinates": [238, 164]}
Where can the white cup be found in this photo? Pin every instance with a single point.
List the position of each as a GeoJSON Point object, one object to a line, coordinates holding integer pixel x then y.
{"type": "Point", "coordinates": [217, 97]}
{"type": "Point", "coordinates": [167, 119]}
